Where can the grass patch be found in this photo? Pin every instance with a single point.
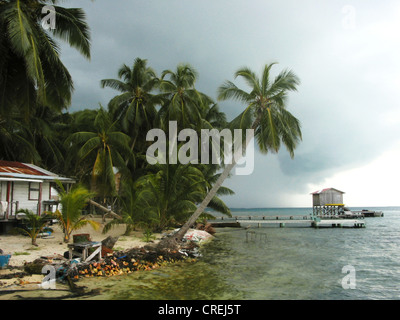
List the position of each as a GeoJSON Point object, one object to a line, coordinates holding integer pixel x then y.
{"type": "Point", "coordinates": [21, 253]}
{"type": "Point", "coordinates": [34, 248]}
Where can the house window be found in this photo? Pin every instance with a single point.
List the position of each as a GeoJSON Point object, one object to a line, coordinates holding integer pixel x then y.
{"type": "Point", "coordinates": [33, 191]}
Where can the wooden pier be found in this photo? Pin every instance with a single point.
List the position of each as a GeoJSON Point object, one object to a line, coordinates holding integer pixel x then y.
{"type": "Point", "coordinates": [297, 221]}
{"type": "Point", "coordinates": [328, 211]}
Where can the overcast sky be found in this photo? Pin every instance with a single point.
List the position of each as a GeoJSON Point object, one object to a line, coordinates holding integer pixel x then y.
{"type": "Point", "coordinates": [346, 54]}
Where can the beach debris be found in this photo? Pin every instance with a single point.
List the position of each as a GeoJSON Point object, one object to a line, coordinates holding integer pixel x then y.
{"type": "Point", "coordinates": [54, 257]}
{"type": "Point", "coordinates": [12, 273]}
{"type": "Point", "coordinates": [109, 242]}
{"type": "Point", "coordinates": [135, 259]}
{"type": "Point", "coordinates": [197, 236]}
{"type": "Point", "coordinates": [147, 258]}
{"type": "Point", "coordinates": [106, 210]}
{"type": "Point", "coordinates": [192, 235]}
{"type": "Point", "coordinates": [206, 226]}
{"type": "Point", "coordinates": [36, 266]}
{"type": "Point", "coordinates": [108, 245]}
{"type": "Point", "coordinates": [82, 237]}
{"type": "Point", "coordinates": [4, 259]}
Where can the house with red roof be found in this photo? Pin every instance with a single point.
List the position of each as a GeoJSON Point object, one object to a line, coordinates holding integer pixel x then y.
{"type": "Point", "coordinates": [26, 186]}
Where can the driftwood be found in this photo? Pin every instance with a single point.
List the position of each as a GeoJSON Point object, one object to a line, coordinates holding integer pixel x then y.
{"type": "Point", "coordinates": [108, 211]}
{"type": "Point", "coordinates": [109, 242]}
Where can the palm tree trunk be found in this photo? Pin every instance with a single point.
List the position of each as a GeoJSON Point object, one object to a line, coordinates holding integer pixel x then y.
{"type": "Point", "coordinates": [132, 146]}
{"type": "Point", "coordinates": [173, 241]}
{"type": "Point", "coordinates": [66, 237]}
{"type": "Point", "coordinates": [179, 235]}
{"type": "Point", "coordinates": [108, 211]}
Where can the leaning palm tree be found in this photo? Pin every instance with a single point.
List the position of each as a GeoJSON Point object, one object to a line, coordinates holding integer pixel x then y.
{"type": "Point", "coordinates": [30, 67]}
{"type": "Point", "coordinates": [216, 203]}
{"type": "Point", "coordinates": [265, 113]}
{"type": "Point", "coordinates": [70, 216]}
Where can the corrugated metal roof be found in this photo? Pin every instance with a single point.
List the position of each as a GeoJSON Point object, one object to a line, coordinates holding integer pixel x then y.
{"type": "Point", "coordinates": [326, 189]}
{"type": "Point", "coordinates": [19, 167]}
{"type": "Point", "coordinates": [11, 169]}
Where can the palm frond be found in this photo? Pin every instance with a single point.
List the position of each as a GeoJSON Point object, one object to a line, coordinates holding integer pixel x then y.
{"type": "Point", "coordinates": [250, 78]}
{"type": "Point", "coordinates": [114, 84]}
{"type": "Point", "coordinates": [230, 91]}
{"type": "Point", "coordinates": [218, 205]}
{"type": "Point", "coordinates": [72, 27]}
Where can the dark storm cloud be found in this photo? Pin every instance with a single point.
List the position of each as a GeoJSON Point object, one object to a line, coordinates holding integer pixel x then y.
{"type": "Point", "coordinates": [346, 97]}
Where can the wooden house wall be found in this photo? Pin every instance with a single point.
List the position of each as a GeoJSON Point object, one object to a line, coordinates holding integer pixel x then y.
{"type": "Point", "coordinates": [20, 193]}
{"type": "Point", "coordinates": [327, 197]}
{"type": "Point", "coordinates": [3, 190]}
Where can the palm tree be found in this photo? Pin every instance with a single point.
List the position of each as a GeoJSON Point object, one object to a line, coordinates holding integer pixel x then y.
{"type": "Point", "coordinates": [265, 113]}
{"type": "Point", "coordinates": [30, 69]}
{"type": "Point", "coordinates": [184, 102]}
{"type": "Point", "coordinates": [212, 117]}
{"type": "Point", "coordinates": [135, 106]}
{"type": "Point", "coordinates": [216, 203]}
{"type": "Point", "coordinates": [169, 193]}
{"type": "Point", "coordinates": [45, 127]}
{"type": "Point", "coordinates": [34, 224]}
{"type": "Point", "coordinates": [130, 207]}
{"type": "Point", "coordinates": [35, 141]}
{"type": "Point", "coordinates": [17, 141]}
{"type": "Point", "coordinates": [106, 149]}
{"type": "Point", "coordinates": [67, 125]}
{"type": "Point", "coordinates": [71, 203]}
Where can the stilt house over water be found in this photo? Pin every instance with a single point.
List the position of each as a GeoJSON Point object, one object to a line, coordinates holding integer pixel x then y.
{"type": "Point", "coordinates": [327, 201]}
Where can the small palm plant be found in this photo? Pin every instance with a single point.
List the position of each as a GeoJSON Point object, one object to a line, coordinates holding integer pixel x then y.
{"type": "Point", "coordinates": [70, 217]}
{"type": "Point", "coordinates": [34, 224]}
{"type": "Point", "coordinates": [148, 235]}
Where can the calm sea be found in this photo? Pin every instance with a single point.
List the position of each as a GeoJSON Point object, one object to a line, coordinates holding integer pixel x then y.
{"type": "Point", "coordinates": [280, 263]}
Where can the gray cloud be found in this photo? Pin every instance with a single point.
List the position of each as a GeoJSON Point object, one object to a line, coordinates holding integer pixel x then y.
{"type": "Point", "coordinates": [349, 76]}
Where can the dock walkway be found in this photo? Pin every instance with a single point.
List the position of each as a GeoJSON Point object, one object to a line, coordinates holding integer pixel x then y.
{"type": "Point", "coordinates": [299, 221]}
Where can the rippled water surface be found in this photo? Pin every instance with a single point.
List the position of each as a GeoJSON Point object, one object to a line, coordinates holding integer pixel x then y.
{"type": "Point", "coordinates": [291, 263]}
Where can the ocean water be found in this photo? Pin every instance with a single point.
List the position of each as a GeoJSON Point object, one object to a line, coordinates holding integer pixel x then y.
{"type": "Point", "coordinates": [279, 263]}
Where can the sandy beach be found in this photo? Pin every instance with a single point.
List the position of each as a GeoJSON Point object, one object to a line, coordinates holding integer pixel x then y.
{"type": "Point", "coordinates": [22, 251]}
